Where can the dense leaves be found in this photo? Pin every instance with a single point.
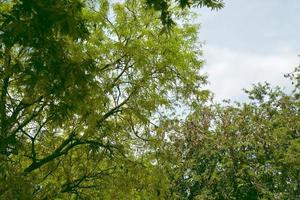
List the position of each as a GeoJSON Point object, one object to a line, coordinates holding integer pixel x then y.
{"type": "Point", "coordinates": [240, 151]}
{"type": "Point", "coordinates": [80, 87]}
{"type": "Point", "coordinates": [165, 7]}
{"type": "Point", "coordinates": [90, 93]}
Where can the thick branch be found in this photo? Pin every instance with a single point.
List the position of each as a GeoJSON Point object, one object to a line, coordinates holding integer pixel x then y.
{"type": "Point", "coordinates": [3, 106]}
{"type": "Point", "coordinates": [4, 89]}
{"type": "Point", "coordinates": [63, 149]}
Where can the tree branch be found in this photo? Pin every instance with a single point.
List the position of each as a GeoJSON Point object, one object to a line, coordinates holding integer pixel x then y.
{"type": "Point", "coordinates": [63, 149]}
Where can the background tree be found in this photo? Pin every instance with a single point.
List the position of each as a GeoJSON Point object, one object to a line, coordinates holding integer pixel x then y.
{"type": "Point", "coordinates": [239, 151]}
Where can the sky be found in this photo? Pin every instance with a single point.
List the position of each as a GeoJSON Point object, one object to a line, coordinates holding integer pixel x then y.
{"type": "Point", "coordinates": [248, 42]}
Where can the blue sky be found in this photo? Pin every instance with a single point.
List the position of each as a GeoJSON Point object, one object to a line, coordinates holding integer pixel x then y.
{"type": "Point", "coordinates": [248, 42]}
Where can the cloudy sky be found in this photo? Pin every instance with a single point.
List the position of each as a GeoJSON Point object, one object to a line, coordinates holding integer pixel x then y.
{"type": "Point", "coordinates": [249, 42]}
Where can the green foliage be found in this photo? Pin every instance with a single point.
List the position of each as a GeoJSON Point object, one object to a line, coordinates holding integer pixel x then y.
{"type": "Point", "coordinates": [88, 98]}
{"type": "Point", "coordinates": [81, 84]}
{"type": "Point", "coordinates": [165, 7]}
{"type": "Point", "coordinates": [240, 151]}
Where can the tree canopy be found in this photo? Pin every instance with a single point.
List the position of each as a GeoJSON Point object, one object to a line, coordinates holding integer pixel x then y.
{"type": "Point", "coordinates": [79, 82]}
{"type": "Point", "coordinates": [238, 151]}
{"type": "Point", "coordinates": [89, 97]}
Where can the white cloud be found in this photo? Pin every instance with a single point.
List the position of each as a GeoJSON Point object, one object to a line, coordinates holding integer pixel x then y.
{"type": "Point", "coordinates": [230, 71]}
